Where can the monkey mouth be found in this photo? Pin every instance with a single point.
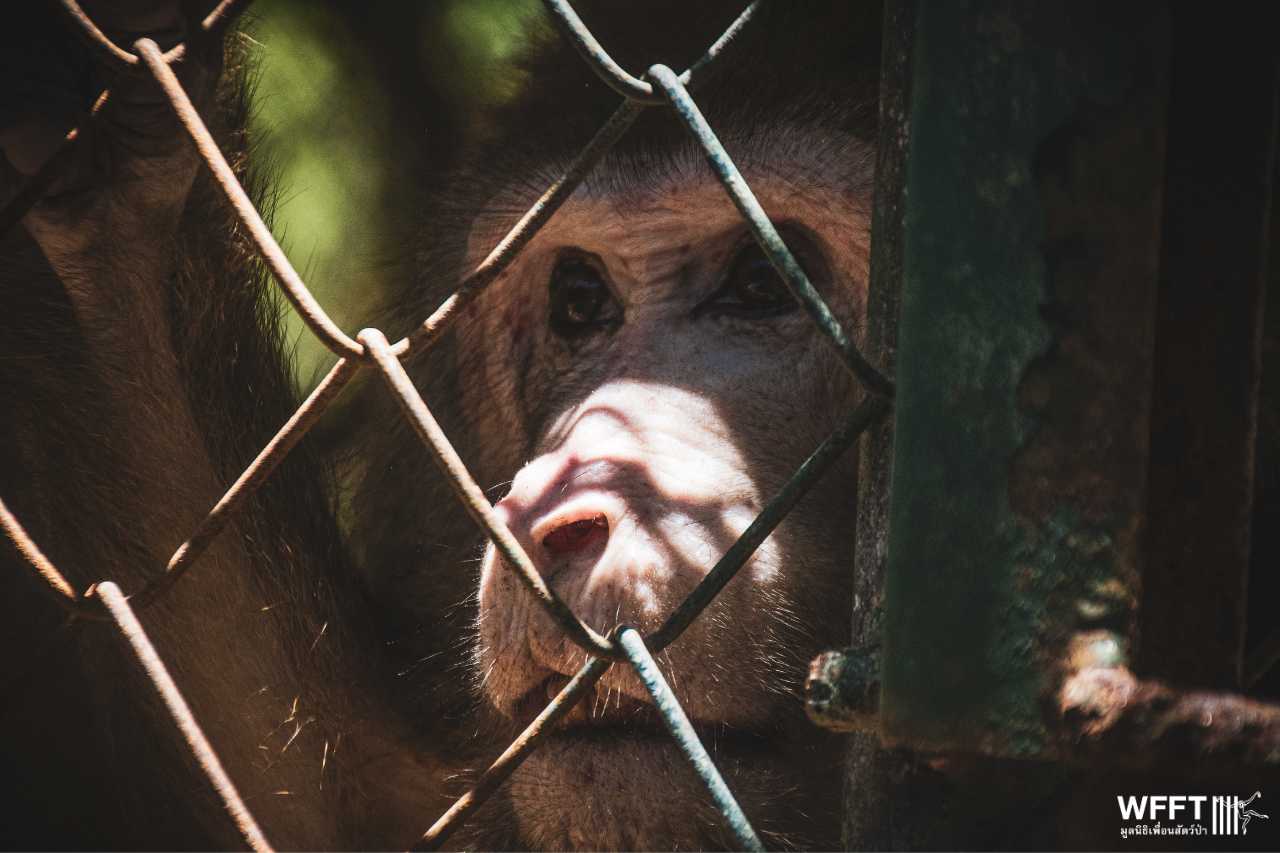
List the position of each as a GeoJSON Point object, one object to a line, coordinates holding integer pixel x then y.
{"type": "Point", "coordinates": [600, 716]}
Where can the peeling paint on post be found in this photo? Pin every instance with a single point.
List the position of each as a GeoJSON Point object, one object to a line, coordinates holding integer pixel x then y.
{"type": "Point", "coordinates": [1024, 362]}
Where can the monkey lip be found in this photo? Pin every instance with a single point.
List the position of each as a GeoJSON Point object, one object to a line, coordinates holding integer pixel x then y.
{"type": "Point", "coordinates": [616, 715]}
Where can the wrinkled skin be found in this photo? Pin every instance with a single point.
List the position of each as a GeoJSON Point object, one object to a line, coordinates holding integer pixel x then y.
{"type": "Point", "coordinates": [355, 676]}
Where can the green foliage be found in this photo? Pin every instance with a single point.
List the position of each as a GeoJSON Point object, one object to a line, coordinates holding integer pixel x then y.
{"type": "Point", "coordinates": [344, 90]}
{"type": "Point", "coordinates": [321, 119]}
{"type": "Point", "coordinates": [485, 36]}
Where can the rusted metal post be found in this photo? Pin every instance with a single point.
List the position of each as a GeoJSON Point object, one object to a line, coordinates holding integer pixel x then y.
{"type": "Point", "coordinates": [1030, 268]}
{"type": "Point", "coordinates": [874, 790]}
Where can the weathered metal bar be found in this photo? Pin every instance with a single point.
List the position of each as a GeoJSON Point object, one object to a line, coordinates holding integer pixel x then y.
{"type": "Point", "coordinates": [1208, 351]}
{"type": "Point", "coordinates": [515, 754]}
{"type": "Point", "coordinates": [114, 601]}
{"type": "Point", "coordinates": [876, 788]}
{"type": "Point", "coordinates": [687, 739]}
{"type": "Point", "coordinates": [1024, 361]}
{"type": "Point", "coordinates": [1262, 663]}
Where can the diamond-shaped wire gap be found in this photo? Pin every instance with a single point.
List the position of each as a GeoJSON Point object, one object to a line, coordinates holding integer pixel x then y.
{"type": "Point", "coordinates": [338, 376]}
{"type": "Point", "coordinates": [810, 470]}
{"type": "Point", "coordinates": [868, 412]}
{"type": "Point", "coordinates": [766, 235]}
{"type": "Point", "coordinates": [420, 416]}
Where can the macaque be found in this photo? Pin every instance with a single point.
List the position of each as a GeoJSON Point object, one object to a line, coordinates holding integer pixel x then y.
{"type": "Point", "coordinates": [630, 393]}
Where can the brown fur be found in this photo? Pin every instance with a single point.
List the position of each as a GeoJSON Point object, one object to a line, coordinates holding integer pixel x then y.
{"type": "Point", "coordinates": [330, 663]}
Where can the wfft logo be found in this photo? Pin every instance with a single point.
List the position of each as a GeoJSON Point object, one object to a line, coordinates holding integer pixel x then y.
{"type": "Point", "coordinates": [1231, 815]}
{"type": "Point", "coordinates": [1187, 814]}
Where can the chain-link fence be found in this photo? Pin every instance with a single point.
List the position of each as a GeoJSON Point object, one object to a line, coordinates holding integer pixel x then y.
{"type": "Point", "coordinates": [370, 349]}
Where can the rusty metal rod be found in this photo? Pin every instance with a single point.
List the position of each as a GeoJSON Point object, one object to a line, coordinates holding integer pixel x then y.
{"type": "Point", "coordinates": [53, 579]}
{"type": "Point", "coordinates": [136, 637]}
{"type": "Point", "coordinates": [517, 752]}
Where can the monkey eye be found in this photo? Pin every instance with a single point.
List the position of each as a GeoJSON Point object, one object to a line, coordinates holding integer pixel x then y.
{"type": "Point", "coordinates": [752, 288]}
{"type": "Point", "coordinates": [581, 302]}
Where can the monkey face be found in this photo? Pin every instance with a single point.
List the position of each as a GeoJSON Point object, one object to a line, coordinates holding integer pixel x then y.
{"type": "Point", "coordinates": [662, 385]}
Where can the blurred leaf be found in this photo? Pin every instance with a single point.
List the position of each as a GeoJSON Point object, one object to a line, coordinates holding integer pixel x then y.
{"type": "Point", "coordinates": [341, 85]}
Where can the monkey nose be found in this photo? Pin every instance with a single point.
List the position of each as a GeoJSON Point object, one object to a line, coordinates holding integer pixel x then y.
{"type": "Point", "coordinates": [572, 537]}
{"type": "Point", "coordinates": [570, 533]}
{"type": "Point", "coordinates": [565, 510]}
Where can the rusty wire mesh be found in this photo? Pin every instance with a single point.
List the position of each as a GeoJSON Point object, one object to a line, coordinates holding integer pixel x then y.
{"type": "Point", "coordinates": [370, 348]}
